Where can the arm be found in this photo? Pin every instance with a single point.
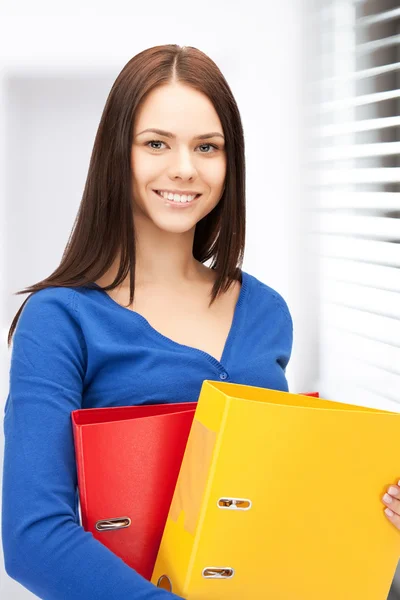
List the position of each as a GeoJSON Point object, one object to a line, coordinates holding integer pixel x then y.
{"type": "Point", "coordinates": [286, 332]}
{"type": "Point", "coordinates": [45, 548]}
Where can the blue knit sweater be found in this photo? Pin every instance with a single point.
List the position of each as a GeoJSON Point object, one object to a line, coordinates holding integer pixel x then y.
{"type": "Point", "coordinates": [78, 348]}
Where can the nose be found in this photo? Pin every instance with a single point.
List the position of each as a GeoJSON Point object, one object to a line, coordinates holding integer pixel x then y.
{"type": "Point", "coordinates": [182, 165]}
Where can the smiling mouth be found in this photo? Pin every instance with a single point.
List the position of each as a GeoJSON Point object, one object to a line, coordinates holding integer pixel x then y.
{"type": "Point", "coordinates": [179, 202]}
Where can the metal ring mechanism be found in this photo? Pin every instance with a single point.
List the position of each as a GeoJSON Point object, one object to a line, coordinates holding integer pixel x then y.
{"type": "Point", "coordinates": [164, 583]}
{"type": "Point", "coordinates": [111, 524]}
{"type": "Point", "coordinates": [218, 573]}
{"type": "Point", "coordinates": [234, 503]}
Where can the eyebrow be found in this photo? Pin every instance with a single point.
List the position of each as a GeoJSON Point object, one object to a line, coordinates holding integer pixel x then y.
{"type": "Point", "coordinates": [168, 134]}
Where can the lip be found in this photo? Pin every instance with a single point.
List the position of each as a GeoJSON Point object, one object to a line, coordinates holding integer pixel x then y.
{"type": "Point", "coordinates": [181, 192]}
{"type": "Point", "coordinates": [177, 205]}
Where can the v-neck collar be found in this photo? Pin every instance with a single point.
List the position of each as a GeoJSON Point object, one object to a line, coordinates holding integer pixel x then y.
{"type": "Point", "coordinates": [230, 337]}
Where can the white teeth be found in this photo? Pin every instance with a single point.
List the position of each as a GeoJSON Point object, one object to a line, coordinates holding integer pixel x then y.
{"type": "Point", "coordinates": [176, 197]}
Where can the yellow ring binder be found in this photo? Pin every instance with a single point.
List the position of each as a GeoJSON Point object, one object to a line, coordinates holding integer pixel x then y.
{"type": "Point", "coordinates": [299, 459]}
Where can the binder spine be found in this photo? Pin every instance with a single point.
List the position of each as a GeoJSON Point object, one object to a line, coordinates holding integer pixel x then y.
{"type": "Point", "coordinates": [77, 431]}
{"type": "Point", "coordinates": [206, 496]}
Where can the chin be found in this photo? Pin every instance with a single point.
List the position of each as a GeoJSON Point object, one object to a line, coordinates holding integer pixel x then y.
{"type": "Point", "coordinates": [175, 228]}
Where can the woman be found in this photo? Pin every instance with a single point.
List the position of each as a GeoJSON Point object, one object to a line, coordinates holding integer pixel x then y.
{"type": "Point", "coordinates": [132, 315]}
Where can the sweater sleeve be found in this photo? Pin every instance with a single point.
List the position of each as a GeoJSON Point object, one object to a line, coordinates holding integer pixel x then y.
{"type": "Point", "coordinates": [286, 331]}
{"type": "Point", "coordinates": [45, 548]}
{"type": "Point", "coordinates": [289, 331]}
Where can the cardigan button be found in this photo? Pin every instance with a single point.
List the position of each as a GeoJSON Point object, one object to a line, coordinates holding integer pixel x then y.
{"type": "Point", "coordinates": [223, 375]}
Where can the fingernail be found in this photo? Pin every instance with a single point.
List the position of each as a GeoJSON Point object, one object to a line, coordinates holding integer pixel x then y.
{"type": "Point", "coordinates": [393, 491]}
{"type": "Point", "coordinates": [387, 498]}
{"type": "Point", "coordinates": [389, 512]}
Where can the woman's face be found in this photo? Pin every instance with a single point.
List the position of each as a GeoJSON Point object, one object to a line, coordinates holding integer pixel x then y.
{"type": "Point", "coordinates": [177, 162]}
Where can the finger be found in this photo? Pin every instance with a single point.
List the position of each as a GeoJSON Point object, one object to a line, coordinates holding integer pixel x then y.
{"type": "Point", "coordinates": [392, 517]}
{"type": "Point", "coordinates": [392, 500]}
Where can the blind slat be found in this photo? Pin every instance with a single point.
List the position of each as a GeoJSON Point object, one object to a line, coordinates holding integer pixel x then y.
{"type": "Point", "coordinates": [376, 276]}
{"type": "Point", "coordinates": [370, 352]}
{"type": "Point", "coordinates": [378, 302]}
{"type": "Point", "coordinates": [346, 391]}
{"type": "Point", "coordinates": [354, 126]}
{"type": "Point", "coordinates": [387, 15]}
{"type": "Point", "coordinates": [380, 228]}
{"type": "Point", "coordinates": [341, 176]}
{"type": "Point", "coordinates": [378, 44]}
{"type": "Point", "coordinates": [369, 376]}
{"type": "Point", "coordinates": [371, 251]}
{"type": "Point", "coordinates": [351, 320]}
{"type": "Point", "coordinates": [364, 74]}
{"type": "Point", "coordinates": [375, 200]}
{"type": "Point", "coordinates": [358, 151]}
{"type": "Point", "coordinates": [357, 100]}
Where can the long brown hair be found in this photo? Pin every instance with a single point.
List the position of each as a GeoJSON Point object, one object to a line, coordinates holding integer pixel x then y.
{"type": "Point", "coordinates": [104, 223]}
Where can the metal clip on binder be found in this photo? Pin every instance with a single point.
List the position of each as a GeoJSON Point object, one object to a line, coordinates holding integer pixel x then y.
{"type": "Point", "coordinates": [110, 524]}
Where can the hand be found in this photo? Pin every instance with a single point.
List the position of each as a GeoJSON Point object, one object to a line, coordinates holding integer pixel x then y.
{"type": "Point", "coordinates": [392, 500]}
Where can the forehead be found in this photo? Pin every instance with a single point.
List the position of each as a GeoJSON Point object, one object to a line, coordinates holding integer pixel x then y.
{"type": "Point", "coordinates": [178, 108]}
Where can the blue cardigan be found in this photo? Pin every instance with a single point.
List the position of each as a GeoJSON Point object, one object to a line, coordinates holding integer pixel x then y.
{"type": "Point", "coordinates": [78, 348]}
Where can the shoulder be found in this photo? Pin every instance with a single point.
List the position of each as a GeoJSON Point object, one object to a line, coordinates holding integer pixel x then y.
{"type": "Point", "coordinates": [51, 299]}
{"type": "Point", "coordinates": [48, 336]}
{"type": "Point", "coordinates": [48, 345]}
{"type": "Point", "coordinates": [263, 294]}
{"type": "Point", "coordinates": [50, 310]}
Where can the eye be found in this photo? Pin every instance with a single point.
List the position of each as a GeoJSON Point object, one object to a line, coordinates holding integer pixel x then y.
{"type": "Point", "coordinates": [210, 145]}
{"type": "Point", "coordinates": [154, 142]}
{"type": "Point", "coordinates": [160, 142]}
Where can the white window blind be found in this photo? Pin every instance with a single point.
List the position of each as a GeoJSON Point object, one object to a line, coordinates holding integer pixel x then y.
{"type": "Point", "coordinates": [355, 158]}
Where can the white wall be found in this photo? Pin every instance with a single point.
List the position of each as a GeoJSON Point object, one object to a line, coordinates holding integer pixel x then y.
{"type": "Point", "coordinates": [56, 72]}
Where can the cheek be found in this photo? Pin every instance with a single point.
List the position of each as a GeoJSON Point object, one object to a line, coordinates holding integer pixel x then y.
{"type": "Point", "coordinates": [143, 166]}
{"type": "Point", "coordinates": [216, 172]}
